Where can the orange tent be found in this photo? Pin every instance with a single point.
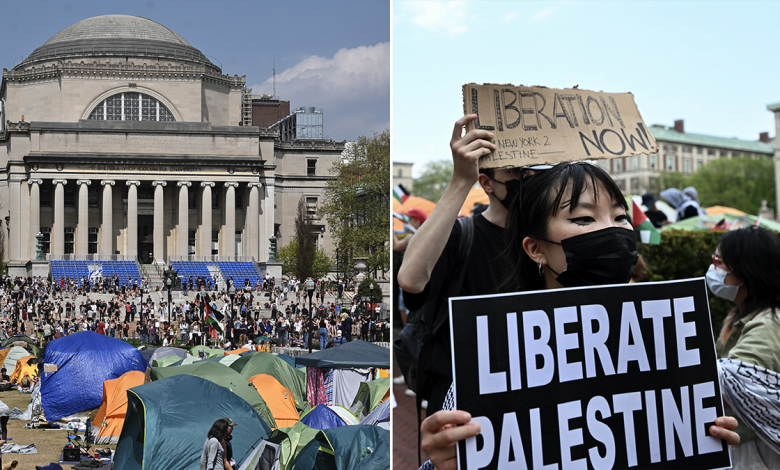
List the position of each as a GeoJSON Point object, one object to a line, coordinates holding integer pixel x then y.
{"type": "Point", "coordinates": [111, 416]}
{"type": "Point", "coordinates": [412, 202]}
{"type": "Point", "coordinates": [237, 351]}
{"type": "Point", "coordinates": [3, 354]}
{"type": "Point", "coordinates": [476, 196]}
{"type": "Point", "coordinates": [717, 210]}
{"type": "Point", "coordinates": [23, 366]}
{"type": "Point", "coordinates": [279, 399]}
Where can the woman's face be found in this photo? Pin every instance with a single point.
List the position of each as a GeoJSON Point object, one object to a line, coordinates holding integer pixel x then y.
{"type": "Point", "coordinates": [732, 279]}
{"type": "Point", "coordinates": [589, 215]}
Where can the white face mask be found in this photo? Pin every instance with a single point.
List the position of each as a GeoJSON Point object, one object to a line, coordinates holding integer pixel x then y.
{"type": "Point", "coordinates": [716, 281]}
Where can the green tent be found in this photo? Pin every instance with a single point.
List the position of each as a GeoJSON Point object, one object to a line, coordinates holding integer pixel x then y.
{"type": "Point", "coordinates": [266, 363]}
{"type": "Point", "coordinates": [346, 448]}
{"type": "Point", "coordinates": [167, 422]}
{"type": "Point", "coordinates": [369, 396]}
{"type": "Point", "coordinates": [165, 361]}
{"type": "Point", "coordinates": [704, 222]}
{"type": "Point", "coordinates": [31, 344]}
{"type": "Point", "coordinates": [224, 376]}
{"type": "Point", "coordinates": [209, 351]}
{"type": "Point", "coordinates": [293, 440]}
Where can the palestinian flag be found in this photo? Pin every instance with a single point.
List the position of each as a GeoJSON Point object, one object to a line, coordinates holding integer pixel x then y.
{"type": "Point", "coordinates": [213, 317]}
{"type": "Point", "coordinates": [647, 231]}
{"type": "Point", "coordinates": [400, 193]}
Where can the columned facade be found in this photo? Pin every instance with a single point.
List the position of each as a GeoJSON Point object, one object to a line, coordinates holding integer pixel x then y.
{"type": "Point", "coordinates": [132, 217]}
{"type": "Point", "coordinates": [82, 247]}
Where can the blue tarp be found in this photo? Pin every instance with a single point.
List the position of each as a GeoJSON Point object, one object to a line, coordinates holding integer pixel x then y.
{"type": "Point", "coordinates": [322, 417]}
{"type": "Point", "coordinates": [290, 360]}
{"type": "Point", "coordinates": [84, 360]}
{"type": "Point", "coordinates": [167, 422]}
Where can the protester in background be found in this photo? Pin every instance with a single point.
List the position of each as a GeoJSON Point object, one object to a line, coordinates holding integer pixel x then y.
{"type": "Point", "coordinates": [691, 192]}
{"type": "Point", "coordinates": [656, 216]}
{"type": "Point", "coordinates": [212, 457]}
{"type": "Point", "coordinates": [745, 270]}
{"type": "Point", "coordinates": [576, 203]}
{"type": "Point", "coordinates": [323, 334]}
{"type": "Point", "coordinates": [684, 205]}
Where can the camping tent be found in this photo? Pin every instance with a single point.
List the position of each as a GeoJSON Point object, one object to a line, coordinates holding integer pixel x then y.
{"type": "Point", "coordinates": [380, 416]}
{"type": "Point", "coordinates": [23, 365]}
{"type": "Point", "coordinates": [292, 440]}
{"type": "Point", "coordinates": [152, 354]}
{"type": "Point", "coordinates": [221, 375]}
{"type": "Point", "coordinates": [237, 351]}
{"type": "Point", "coordinates": [84, 360]}
{"type": "Point", "coordinates": [704, 222]}
{"type": "Point", "coordinates": [334, 374]}
{"type": "Point", "coordinates": [369, 396]}
{"type": "Point", "coordinates": [13, 355]}
{"type": "Point", "coordinates": [346, 448]}
{"type": "Point", "coordinates": [110, 418]}
{"type": "Point", "coordinates": [266, 363]}
{"type": "Point", "coordinates": [209, 351]}
{"type": "Point", "coordinates": [31, 345]}
{"type": "Point", "coordinates": [280, 399]}
{"type": "Point", "coordinates": [289, 360]}
{"type": "Point", "coordinates": [166, 361]}
{"type": "Point", "coordinates": [167, 422]}
{"type": "Point", "coordinates": [358, 354]}
{"type": "Point", "coordinates": [323, 416]}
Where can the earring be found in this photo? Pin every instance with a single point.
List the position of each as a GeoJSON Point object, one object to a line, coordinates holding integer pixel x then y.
{"type": "Point", "coordinates": [541, 269]}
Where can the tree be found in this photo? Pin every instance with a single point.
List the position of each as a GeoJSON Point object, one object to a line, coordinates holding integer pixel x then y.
{"type": "Point", "coordinates": [306, 248]}
{"type": "Point", "coordinates": [288, 255]}
{"type": "Point", "coordinates": [357, 202]}
{"type": "Point", "coordinates": [740, 183]}
{"type": "Point", "coordinates": [433, 180]}
{"type": "Point", "coordinates": [369, 288]}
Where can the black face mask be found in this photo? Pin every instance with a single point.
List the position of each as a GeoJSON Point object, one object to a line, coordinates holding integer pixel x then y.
{"type": "Point", "coordinates": [606, 256]}
{"type": "Point", "coordinates": [229, 437]}
{"type": "Point", "coordinates": [514, 188]}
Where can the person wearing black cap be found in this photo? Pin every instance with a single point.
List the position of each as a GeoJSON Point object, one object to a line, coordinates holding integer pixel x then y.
{"type": "Point", "coordinates": [229, 461]}
{"type": "Point", "coordinates": [435, 257]}
{"type": "Point", "coordinates": [656, 216]}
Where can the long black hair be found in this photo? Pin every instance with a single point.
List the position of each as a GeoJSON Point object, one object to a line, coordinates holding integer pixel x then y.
{"type": "Point", "coordinates": [753, 255]}
{"type": "Point", "coordinates": [218, 429]}
{"type": "Point", "coordinates": [539, 201]}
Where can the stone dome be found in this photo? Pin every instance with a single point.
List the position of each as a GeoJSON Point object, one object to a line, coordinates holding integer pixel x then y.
{"type": "Point", "coordinates": [116, 36]}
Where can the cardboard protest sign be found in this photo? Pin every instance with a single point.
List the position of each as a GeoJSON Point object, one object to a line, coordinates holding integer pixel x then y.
{"type": "Point", "coordinates": [538, 125]}
{"type": "Point", "coordinates": [597, 377]}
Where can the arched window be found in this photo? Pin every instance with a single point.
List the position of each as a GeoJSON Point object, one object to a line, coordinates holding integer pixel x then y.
{"type": "Point", "coordinates": [130, 107]}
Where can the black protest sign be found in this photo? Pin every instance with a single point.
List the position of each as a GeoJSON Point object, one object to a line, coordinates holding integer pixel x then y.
{"type": "Point", "coordinates": [599, 377]}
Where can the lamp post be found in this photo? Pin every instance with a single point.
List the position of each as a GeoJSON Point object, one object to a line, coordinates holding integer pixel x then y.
{"type": "Point", "coordinates": [168, 283]}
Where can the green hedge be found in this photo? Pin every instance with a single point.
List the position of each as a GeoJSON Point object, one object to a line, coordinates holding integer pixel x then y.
{"type": "Point", "coordinates": [684, 254]}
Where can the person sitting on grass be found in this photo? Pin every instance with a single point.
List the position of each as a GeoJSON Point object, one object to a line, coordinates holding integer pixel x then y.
{"type": "Point", "coordinates": [26, 383]}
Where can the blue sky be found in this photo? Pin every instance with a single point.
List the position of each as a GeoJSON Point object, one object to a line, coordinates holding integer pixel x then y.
{"type": "Point", "coordinates": [330, 55]}
{"type": "Point", "coordinates": [709, 63]}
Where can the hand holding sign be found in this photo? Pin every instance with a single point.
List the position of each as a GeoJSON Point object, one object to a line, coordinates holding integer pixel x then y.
{"type": "Point", "coordinates": [440, 433]}
{"type": "Point", "coordinates": [468, 149]}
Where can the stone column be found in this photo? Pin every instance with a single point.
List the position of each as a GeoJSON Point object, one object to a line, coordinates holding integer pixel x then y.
{"type": "Point", "coordinates": [230, 219]}
{"type": "Point", "coordinates": [253, 221]}
{"type": "Point", "coordinates": [58, 228]}
{"type": "Point", "coordinates": [132, 217]}
{"type": "Point", "coordinates": [15, 224]}
{"type": "Point", "coordinates": [107, 247]}
{"type": "Point", "coordinates": [82, 247]}
{"type": "Point", "coordinates": [268, 219]}
{"type": "Point", "coordinates": [159, 222]}
{"type": "Point", "coordinates": [184, 216]}
{"type": "Point", "coordinates": [205, 208]}
{"type": "Point", "coordinates": [25, 210]}
{"type": "Point", "coordinates": [35, 212]}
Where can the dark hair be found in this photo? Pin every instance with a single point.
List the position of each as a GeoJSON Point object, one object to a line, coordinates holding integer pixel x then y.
{"type": "Point", "coordinates": [218, 429]}
{"type": "Point", "coordinates": [753, 255]}
{"type": "Point", "coordinates": [540, 199]}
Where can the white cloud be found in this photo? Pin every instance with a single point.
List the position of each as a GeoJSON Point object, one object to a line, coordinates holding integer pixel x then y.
{"type": "Point", "coordinates": [447, 18]}
{"type": "Point", "coordinates": [546, 13]}
{"type": "Point", "coordinates": [352, 88]}
{"type": "Point", "coordinates": [510, 16]}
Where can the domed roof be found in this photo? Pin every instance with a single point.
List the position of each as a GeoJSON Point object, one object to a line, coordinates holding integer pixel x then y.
{"type": "Point", "coordinates": [117, 27]}
{"type": "Point", "coordinates": [116, 36]}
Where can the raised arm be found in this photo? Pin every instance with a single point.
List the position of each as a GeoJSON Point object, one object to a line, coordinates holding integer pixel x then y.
{"type": "Point", "coordinates": [429, 241]}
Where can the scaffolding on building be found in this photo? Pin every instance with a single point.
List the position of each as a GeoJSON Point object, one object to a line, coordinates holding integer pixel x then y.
{"type": "Point", "coordinates": [246, 106]}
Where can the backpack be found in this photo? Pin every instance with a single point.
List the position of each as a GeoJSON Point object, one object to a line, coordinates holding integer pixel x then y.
{"type": "Point", "coordinates": [414, 346]}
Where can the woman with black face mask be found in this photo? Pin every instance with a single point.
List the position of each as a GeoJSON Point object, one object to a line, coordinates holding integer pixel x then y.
{"type": "Point", "coordinates": [745, 270]}
{"type": "Point", "coordinates": [567, 227]}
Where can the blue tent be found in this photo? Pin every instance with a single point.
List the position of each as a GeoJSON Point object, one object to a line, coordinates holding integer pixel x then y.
{"type": "Point", "coordinates": [167, 422]}
{"type": "Point", "coordinates": [290, 360]}
{"type": "Point", "coordinates": [322, 417]}
{"type": "Point", "coordinates": [84, 360]}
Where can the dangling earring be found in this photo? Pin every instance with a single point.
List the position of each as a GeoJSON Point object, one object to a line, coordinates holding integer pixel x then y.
{"type": "Point", "coordinates": [541, 269]}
